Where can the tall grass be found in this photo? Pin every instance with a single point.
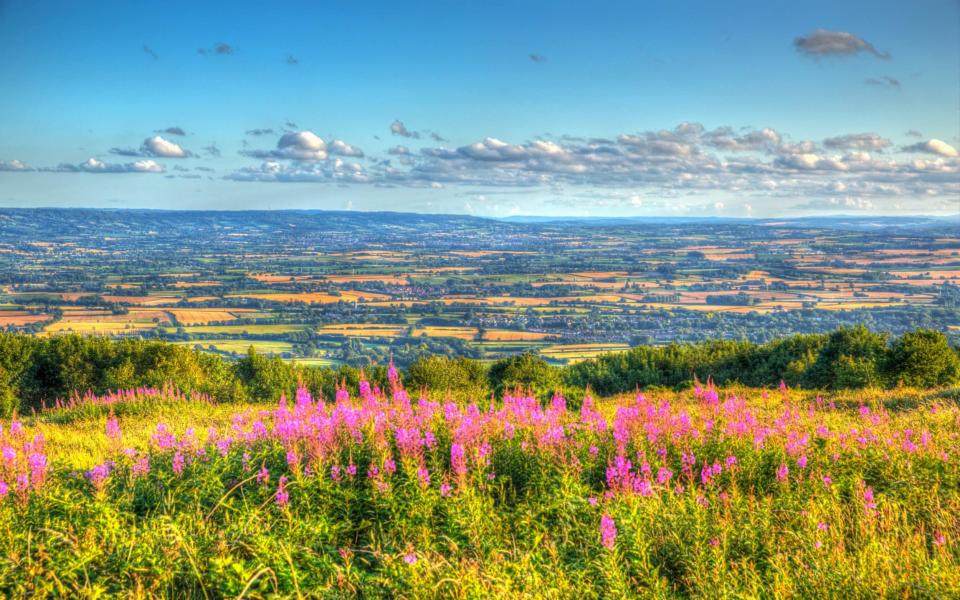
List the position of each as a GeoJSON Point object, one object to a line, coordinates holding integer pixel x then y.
{"type": "Point", "coordinates": [713, 493]}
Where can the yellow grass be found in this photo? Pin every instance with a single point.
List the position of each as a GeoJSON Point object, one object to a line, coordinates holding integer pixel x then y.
{"type": "Point", "coordinates": [20, 318]}
{"type": "Point", "coordinates": [362, 330]}
{"type": "Point", "coordinates": [201, 316]}
{"type": "Point", "coordinates": [462, 333]}
{"type": "Point", "coordinates": [505, 335]}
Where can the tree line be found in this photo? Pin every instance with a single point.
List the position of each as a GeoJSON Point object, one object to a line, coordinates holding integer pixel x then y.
{"type": "Point", "coordinates": [35, 372]}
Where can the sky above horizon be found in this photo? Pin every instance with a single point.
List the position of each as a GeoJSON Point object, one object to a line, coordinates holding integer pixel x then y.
{"type": "Point", "coordinates": [655, 108]}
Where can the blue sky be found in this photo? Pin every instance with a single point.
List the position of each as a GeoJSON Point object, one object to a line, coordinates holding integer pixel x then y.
{"type": "Point", "coordinates": [491, 108]}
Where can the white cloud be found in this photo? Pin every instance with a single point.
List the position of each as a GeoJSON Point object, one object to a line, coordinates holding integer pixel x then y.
{"type": "Point", "coordinates": [306, 146]}
{"type": "Point", "coordinates": [687, 160]}
{"type": "Point", "coordinates": [824, 42]}
{"type": "Point", "coordinates": [94, 165]}
{"type": "Point", "coordinates": [301, 145]}
{"type": "Point", "coordinates": [398, 128]}
{"type": "Point", "coordinates": [158, 146]}
{"type": "Point", "coordinates": [332, 171]}
{"type": "Point", "coordinates": [857, 141]}
{"type": "Point", "coordinates": [933, 146]}
{"type": "Point", "coordinates": [344, 149]}
{"type": "Point", "coordinates": [13, 165]}
{"type": "Point", "coordinates": [154, 147]}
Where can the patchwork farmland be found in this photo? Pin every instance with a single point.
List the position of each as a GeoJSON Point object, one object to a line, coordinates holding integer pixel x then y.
{"type": "Point", "coordinates": [362, 288]}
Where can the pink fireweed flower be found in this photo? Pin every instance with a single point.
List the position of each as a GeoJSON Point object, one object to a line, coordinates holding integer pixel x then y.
{"type": "Point", "coordinates": [335, 473]}
{"type": "Point", "coordinates": [642, 487]}
{"type": "Point", "coordinates": [822, 526]}
{"type": "Point", "coordinates": [4, 490]}
{"type": "Point", "coordinates": [389, 466]}
{"type": "Point", "coordinates": [178, 462]}
{"type": "Point", "coordinates": [731, 460]}
{"type": "Point", "coordinates": [410, 557]}
{"type": "Point", "coordinates": [458, 460]}
{"type": "Point", "coordinates": [263, 475]}
{"type": "Point", "coordinates": [98, 475]}
{"type": "Point", "coordinates": [113, 429]}
{"type": "Point", "coordinates": [38, 468]}
{"type": "Point", "coordinates": [352, 470]}
{"type": "Point", "coordinates": [782, 472]}
{"type": "Point", "coordinates": [802, 461]}
{"type": "Point", "coordinates": [608, 532]}
{"type": "Point", "coordinates": [141, 466]}
{"type": "Point", "coordinates": [827, 480]}
{"type": "Point", "coordinates": [283, 498]}
{"type": "Point", "coordinates": [163, 438]}
{"type": "Point", "coordinates": [392, 375]}
{"type": "Point", "coordinates": [664, 475]}
{"type": "Point", "coordinates": [592, 500]}
{"type": "Point", "coordinates": [365, 389]}
{"type": "Point", "coordinates": [445, 489]}
{"type": "Point", "coordinates": [423, 476]}
{"type": "Point", "coordinates": [939, 539]}
{"type": "Point", "coordinates": [868, 500]}
{"type": "Point", "coordinates": [223, 446]}
{"type": "Point", "coordinates": [293, 460]}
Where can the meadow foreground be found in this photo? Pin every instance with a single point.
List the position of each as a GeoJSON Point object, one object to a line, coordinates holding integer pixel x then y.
{"type": "Point", "coordinates": [707, 493]}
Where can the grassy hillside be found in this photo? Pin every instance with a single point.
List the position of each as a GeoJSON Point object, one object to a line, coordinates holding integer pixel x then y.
{"type": "Point", "coordinates": [704, 493]}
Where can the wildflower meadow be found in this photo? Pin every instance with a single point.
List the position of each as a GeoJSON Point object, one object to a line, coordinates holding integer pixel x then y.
{"type": "Point", "coordinates": [394, 493]}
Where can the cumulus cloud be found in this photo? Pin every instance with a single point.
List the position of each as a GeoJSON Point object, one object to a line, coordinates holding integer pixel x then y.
{"type": "Point", "coordinates": [211, 150]}
{"type": "Point", "coordinates": [824, 42]}
{"type": "Point", "coordinates": [220, 49]}
{"type": "Point", "coordinates": [13, 165]}
{"type": "Point", "coordinates": [857, 141]}
{"type": "Point", "coordinates": [933, 146]}
{"type": "Point", "coordinates": [306, 146]}
{"type": "Point", "coordinates": [173, 131]}
{"type": "Point", "coordinates": [344, 149]}
{"type": "Point", "coordinates": [687, 159]}
{"type": "Point", "coordinates": [154, 147]}
{"type": "Point", "coordinates": [158, 146]}
{"type": "Point", "coordinates": [883, 81]}
{"type": "Point", "coordinates": [93, 165]}
{"type": "Point", "coordinates": [398, 128]}
{"type": "Point", "coordinates": [301, 145]}
{"type": "Point", "coordinates": [333, 171]}
{"type": "Point", "coordinates": [724, 138]}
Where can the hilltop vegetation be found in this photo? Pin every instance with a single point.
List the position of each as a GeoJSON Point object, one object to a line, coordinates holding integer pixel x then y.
{"type": "Point", "coordinates": [712, 492]}
{"type": "Point", "coordinates": [35, 372]}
